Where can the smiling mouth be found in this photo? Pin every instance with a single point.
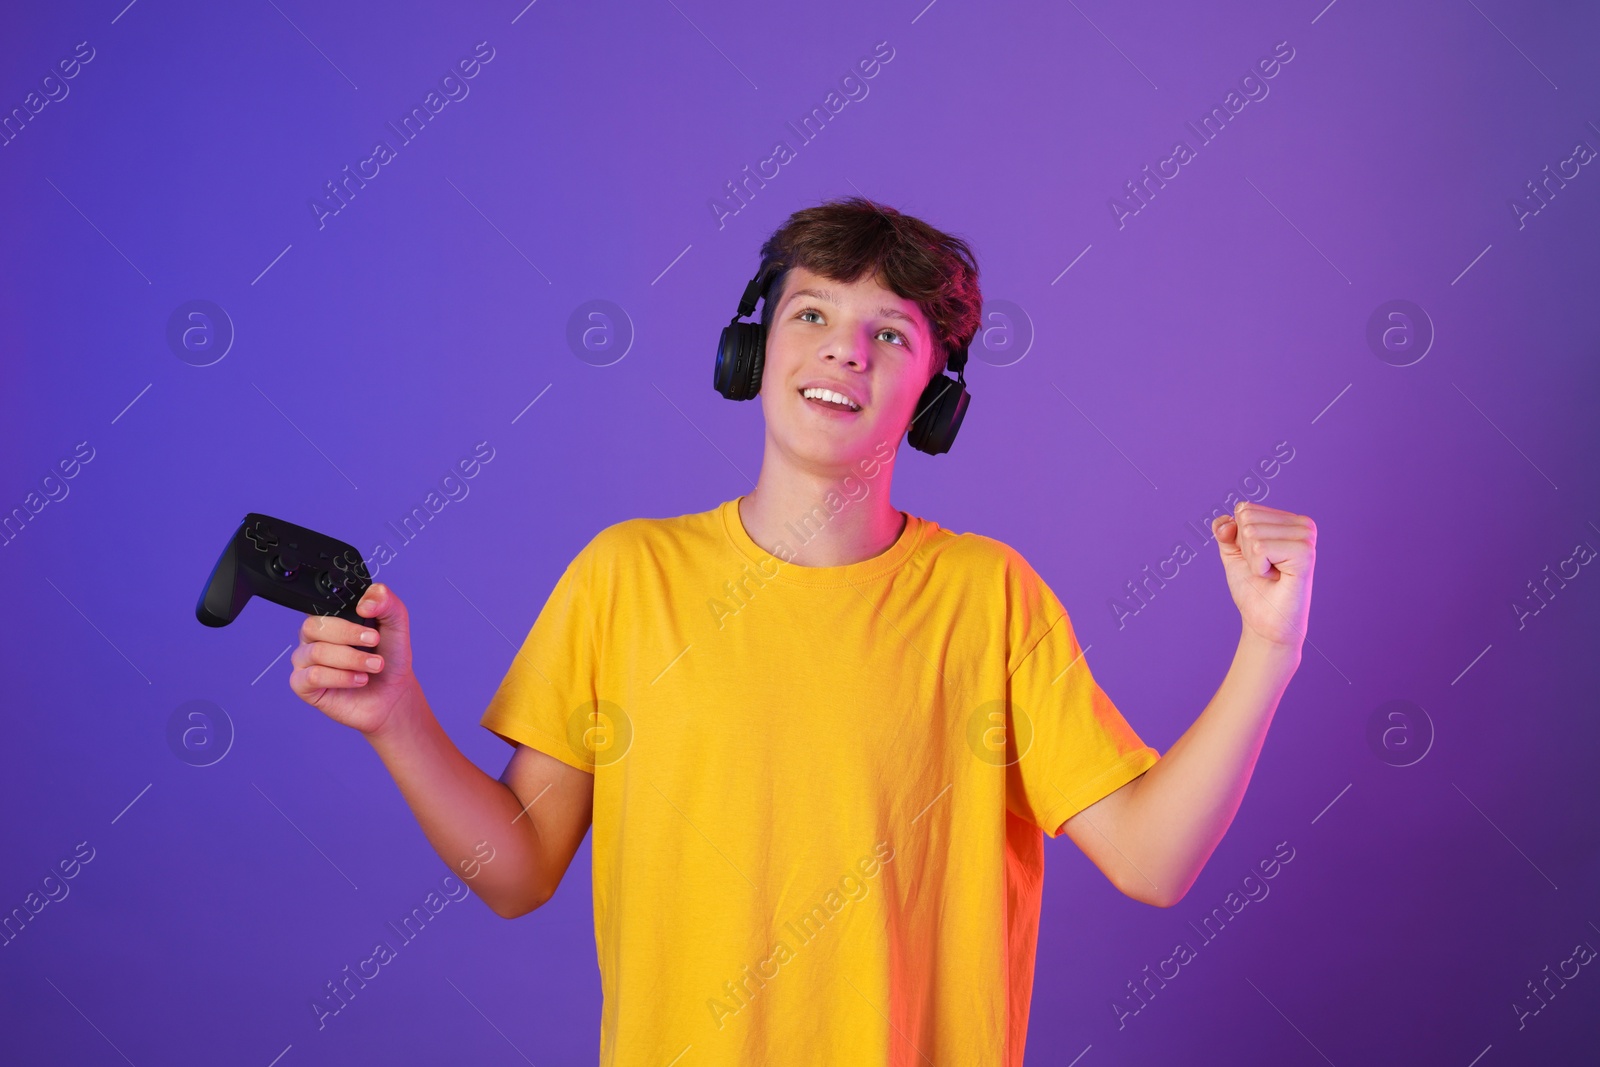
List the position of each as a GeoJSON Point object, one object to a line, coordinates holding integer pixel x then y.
{"type": "Point", "coordinates": [829, 400]}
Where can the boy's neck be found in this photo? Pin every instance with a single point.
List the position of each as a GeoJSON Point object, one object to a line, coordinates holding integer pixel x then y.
{"type": "Point", "coordinates": [792, 510]}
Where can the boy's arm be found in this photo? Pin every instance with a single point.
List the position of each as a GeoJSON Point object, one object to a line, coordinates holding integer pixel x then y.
{"type": "Point", "coordinates": [1153, 836]}
{"type": "Point", "coordinates": [510, 840]}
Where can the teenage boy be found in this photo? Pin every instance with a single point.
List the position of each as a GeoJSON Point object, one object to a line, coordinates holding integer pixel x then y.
{"type": "Point", "coordinates": [821, 740]}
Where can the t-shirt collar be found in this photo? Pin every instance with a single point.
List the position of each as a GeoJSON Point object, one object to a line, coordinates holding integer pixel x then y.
{"type": "Point", "coordinates": [773, 566]}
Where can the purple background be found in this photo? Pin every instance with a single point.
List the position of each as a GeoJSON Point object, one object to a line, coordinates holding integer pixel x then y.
{"type": "Point", "coordinates": [371, 354]}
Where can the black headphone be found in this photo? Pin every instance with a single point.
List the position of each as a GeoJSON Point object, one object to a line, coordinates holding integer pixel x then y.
{"type": "Point", "coordinates": [742, 352]}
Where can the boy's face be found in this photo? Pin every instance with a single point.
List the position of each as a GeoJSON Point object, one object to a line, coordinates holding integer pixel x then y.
{"type": "Point", "coordinates": [861, 340]}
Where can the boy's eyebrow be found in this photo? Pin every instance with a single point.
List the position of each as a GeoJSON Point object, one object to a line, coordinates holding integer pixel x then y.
{"type": "Point", "coordinates": [824, 294]}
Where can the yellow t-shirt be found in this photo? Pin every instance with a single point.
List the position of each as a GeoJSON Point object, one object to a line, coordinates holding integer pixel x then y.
{"type": "Point", "coordinates": [820, 793]}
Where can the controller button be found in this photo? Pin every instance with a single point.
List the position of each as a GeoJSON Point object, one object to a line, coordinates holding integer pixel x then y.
{"type": "Point", "coordinates": [284, 566]}
{"type": "Point", "coordinates": [261, 536]}
{"type": "Point", "coordinates": [351, 565]}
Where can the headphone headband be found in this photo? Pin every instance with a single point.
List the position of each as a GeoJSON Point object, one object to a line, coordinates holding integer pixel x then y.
{"type": "Point", "coordinates": [770, 267]}
{"type": "Point", "coordinates": [958, 360]}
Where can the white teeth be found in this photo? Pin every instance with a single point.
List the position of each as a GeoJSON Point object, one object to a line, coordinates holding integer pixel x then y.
{"type": "Point", "coordinates": [830, 395]}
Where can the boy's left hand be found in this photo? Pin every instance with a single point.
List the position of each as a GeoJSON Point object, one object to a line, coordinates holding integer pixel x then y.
{"type": "Point", "coordinates": [1268, 556]}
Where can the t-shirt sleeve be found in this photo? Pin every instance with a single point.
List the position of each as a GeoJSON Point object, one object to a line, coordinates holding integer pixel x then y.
{"type": "Point", "coordinates": [1073, 746]}
{"type": "Point", "coordinates": [551, 685]}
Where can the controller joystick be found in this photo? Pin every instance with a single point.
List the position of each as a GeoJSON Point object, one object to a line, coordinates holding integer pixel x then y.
{"type": "Point", "coordinates": [284, 565]}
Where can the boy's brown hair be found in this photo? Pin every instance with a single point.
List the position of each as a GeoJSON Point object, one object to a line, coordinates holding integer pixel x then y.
{"type": "Point", "coordinates": [846, 239]}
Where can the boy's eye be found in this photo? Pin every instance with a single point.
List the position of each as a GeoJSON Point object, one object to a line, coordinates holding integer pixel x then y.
{"type": "Point", "coordinates": [902, 340]}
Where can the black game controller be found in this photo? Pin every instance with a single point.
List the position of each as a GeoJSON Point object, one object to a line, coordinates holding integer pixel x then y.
{"type": "Point", "coordinates": [286, 564]}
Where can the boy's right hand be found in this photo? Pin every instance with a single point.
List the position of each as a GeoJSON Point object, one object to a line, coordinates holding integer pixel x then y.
{"type": "Point", "coordinates": [352, 681]}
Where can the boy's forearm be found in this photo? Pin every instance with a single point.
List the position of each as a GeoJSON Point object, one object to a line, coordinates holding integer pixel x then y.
{"type": "Point", "coordinates": [466, 815]}
{"type": "Point", "coordinates": [1183, 805]}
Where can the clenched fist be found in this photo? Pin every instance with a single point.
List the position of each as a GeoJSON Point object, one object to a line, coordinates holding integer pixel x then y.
{"type": "Point", "coordinates": [356, 675]}
{"type": "Point", "coordinates": [1268, 556]}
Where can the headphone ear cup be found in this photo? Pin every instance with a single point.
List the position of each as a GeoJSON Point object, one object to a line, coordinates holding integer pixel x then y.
{"type": "Point", "coordinates": [756, 338]}
{"type": "Point", "coordinates": [943, 405]}
{"type": "Point", "coordinates": [741, 354]}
